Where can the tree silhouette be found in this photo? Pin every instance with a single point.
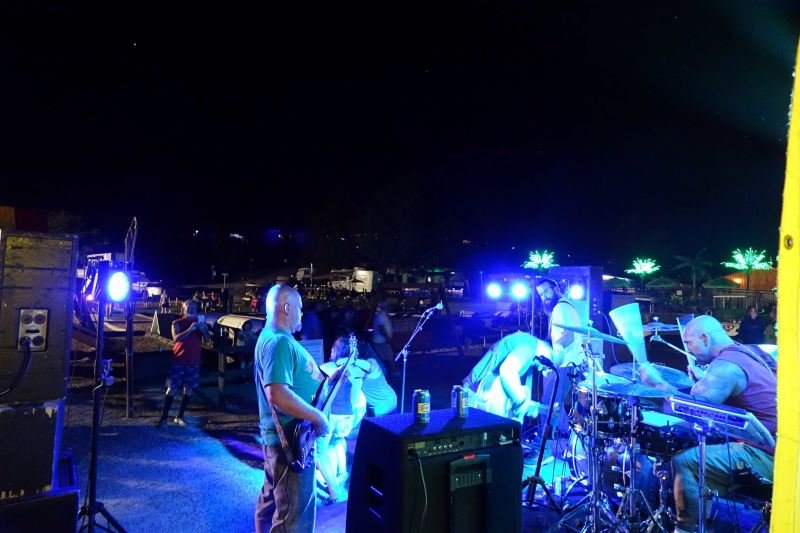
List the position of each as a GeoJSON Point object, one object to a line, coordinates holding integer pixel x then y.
{"type": "Point", "coordinates": [697, 265]}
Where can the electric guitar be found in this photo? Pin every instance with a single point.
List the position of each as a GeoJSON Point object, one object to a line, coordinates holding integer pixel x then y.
{"type": "Point", "coordinates": [301, 433]}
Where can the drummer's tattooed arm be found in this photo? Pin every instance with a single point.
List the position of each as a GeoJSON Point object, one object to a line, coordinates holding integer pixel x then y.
{"type": "Point", "coordinates": [723, 379]}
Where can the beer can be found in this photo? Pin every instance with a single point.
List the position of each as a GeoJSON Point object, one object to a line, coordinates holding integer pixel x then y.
{"type": "Point", "coordinates": [421, 403]}
{"type": "Point", "coordinates": [459, 401]}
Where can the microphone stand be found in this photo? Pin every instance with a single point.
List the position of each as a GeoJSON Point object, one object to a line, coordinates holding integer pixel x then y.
{"type": "Point", "coordinates": [536, 479]}
{"type": "Point", "coordinates": [426, 315]}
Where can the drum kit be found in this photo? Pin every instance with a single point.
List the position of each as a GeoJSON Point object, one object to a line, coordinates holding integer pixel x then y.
{"type": "Point", "coordinates": [622, 441]}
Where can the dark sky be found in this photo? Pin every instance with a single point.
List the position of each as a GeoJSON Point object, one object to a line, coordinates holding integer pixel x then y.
{"type": "Point", "coordinates": [602, 130]}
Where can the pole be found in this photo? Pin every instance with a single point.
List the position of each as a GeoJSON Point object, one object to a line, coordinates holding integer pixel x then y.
{"type": "Point", "coordinates": [129, 310]}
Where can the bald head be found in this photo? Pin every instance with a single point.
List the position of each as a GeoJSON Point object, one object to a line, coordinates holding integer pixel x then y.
{"type": "Point", "coordinates": [705, 337]}
{"type": "Point", "coordinates": [284, 308]}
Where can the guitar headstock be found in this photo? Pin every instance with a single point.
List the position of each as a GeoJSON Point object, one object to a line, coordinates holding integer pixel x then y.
{"type": "Point", "coordinates": [353, 346]}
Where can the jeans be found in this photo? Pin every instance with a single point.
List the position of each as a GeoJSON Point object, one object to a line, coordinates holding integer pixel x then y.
{"type": "Point", "coordinates": [287, 502]}
{"type": "Point", "coordinates": [721, 460]}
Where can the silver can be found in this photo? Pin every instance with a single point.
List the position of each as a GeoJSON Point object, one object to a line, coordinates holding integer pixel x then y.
{"type": "Point", "coordinates": [459, 401]}
{"type": "Point", "coordinates": [421, 403]}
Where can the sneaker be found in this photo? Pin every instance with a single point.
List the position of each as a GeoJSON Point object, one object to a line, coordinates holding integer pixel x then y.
{"type": "Point", "coordinates": [179, 421]}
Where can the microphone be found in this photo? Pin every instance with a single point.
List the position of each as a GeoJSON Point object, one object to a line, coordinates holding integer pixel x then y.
{"type": "Point", "coordinates": [437, 307]}
{"type": "Point", "coordinates": [545, 362]}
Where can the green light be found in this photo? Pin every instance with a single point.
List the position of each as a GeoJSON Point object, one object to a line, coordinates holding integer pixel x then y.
{"type": "Point", "coordinates": [747, 261]}
{"type": "Point", "coordinates": [540, 261]}
{"type": "Point", "coordinates": [643, 267]}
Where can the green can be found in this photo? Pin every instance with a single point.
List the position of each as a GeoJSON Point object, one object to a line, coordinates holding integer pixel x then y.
{"type": "Point", "coordinates": [421, 403]}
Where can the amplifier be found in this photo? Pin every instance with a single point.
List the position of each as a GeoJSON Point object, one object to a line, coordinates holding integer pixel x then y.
{"type": "Point", "coordinates": [452, 474]}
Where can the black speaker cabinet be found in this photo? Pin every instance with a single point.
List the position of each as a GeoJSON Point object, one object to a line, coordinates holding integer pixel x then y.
{"type": "Point", "coordinates": [457, 475]}
{"type": "Point", "coordinates": [37, 286]}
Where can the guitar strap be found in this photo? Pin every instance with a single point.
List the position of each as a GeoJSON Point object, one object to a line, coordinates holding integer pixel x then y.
{"type": "Point", "coordinates": [287, 452]}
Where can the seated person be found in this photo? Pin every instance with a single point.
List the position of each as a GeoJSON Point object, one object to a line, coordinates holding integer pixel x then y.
{"type": "Point", "coordinates": [496, 381]}
{"type": "Point", "coordinates": [739, 376]}
{"type": "Point", "coordinates": [347, 409]}
{"type": "Point", "coordinates": [381, 397]}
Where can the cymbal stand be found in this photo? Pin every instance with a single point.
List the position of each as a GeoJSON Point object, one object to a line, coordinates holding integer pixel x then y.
{"type": "Point", "coordinates": [596, 520]}
{"type": "Point", "coordinates": [631, 492]}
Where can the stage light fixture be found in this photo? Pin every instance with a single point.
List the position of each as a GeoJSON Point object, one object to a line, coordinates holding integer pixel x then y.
{"type": "Point", "coordinates": [494, 290]}
{"type": "Point", "coordinates": [119, 286]}
{"type": "Point", "coordinates": [577, 291]}
{"type": "Point", "coordinates": [519, 290]}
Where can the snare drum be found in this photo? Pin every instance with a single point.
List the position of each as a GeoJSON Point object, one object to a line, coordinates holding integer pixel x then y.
{"type": "Point", "coordinates": [613, 411]}
{"type": "Point", "coordinates": [661, 435]}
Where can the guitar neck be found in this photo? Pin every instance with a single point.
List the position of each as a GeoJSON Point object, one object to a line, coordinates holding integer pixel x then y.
{"type": "Point", "coordinates": [324, 404]}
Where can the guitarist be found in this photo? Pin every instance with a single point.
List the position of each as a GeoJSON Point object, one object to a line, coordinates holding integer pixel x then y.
{"type": "Point", "coordinates": [287, 379]}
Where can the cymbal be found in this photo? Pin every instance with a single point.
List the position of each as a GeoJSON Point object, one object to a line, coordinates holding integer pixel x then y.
{"type": "Point", "coordinates": [660, 326]}
{"type": "Point", "coordinates": [634, 389]}
{"type": "Point", "coordinates": [593, 333]}
{"type": "Point", "coordinates": [603, 379]}
{"type": "Point", "coordinates": [676, 378]}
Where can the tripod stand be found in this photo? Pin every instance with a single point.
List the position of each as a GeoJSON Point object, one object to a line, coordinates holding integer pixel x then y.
{"type": "Point", "coordinates": [595, 509]}
{"type": "Point", "coordinates": [102, 379]}
{"type": "Point", "coordinates": [536, 479]}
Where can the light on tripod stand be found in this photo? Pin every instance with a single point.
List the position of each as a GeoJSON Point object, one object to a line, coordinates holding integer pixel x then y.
{"type": "Point", "coordinates": [118, 286]}
{"type": "Point", "coordinates": [494, 290]}
{"type": "Point", "coordinates": [520, 290]}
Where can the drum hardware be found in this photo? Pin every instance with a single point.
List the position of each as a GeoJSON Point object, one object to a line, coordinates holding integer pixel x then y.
{"type": "Point", "coordinates": [595, 505]}
{"type": "Point", "coordinates": [664, 490]}
{"type": "Point", "coordinates": [627, 508]}
{"type": "Point", "coordinates": [676, 378]}
{"type": "Point", "coordinates": [589, 331]}
{"type": "Point", "coordinates": [536, 479]}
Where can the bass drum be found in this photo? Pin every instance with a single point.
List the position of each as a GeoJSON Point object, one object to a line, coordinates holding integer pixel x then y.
{"type": "Point", "coordinates": [616, 470]}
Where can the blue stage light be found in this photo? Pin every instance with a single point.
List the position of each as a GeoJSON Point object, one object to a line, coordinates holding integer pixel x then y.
{"type": "Point", "coordinates": [577, 291]}
{"type": "Point", "coordinates": [118, 286]}
{"type": "Point", "coordinates": [494, 290]}
{"type": "Point", "coordinates": [519, 290]}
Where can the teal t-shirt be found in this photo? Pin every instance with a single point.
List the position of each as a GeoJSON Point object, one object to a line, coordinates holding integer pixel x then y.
{"type": "Point", "coordinates": [281, 359]}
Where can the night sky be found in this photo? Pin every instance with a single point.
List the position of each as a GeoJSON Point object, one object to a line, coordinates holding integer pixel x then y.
{"type": "Point", "coordinates": [600, 130]}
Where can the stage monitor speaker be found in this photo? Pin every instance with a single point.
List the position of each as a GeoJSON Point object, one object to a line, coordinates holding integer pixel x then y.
{"type": "Point", "coordinates": [456, 475]}
{"type": "Point", "coordinates": [37, 288]}
{"type": "Point", "coordinates": [583, 287]}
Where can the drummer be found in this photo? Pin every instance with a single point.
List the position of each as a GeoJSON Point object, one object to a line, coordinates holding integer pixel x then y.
{"type": "Point", "coordinates": [737, 375]}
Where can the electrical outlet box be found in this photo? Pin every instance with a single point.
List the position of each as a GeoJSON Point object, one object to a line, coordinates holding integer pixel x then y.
{"type": "Point", "coordinates": [33, 327]}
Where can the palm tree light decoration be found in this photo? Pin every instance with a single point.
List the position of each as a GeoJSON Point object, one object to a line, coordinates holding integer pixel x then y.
{"type": "Point", "coordinates": [540, 261]}
{"type": "Point", "coordinates": [643, 268]}
{"type": "Point", "coordinates": [747, 261]}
